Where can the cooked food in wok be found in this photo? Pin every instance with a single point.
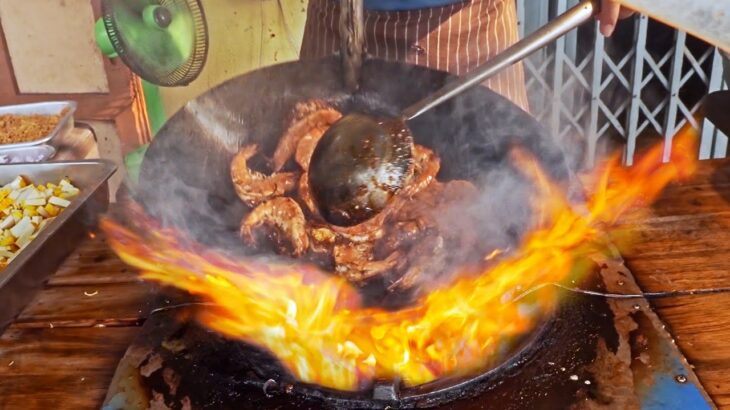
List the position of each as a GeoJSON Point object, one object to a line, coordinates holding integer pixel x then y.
{"type": "Point", "coordinates": [403, 246]}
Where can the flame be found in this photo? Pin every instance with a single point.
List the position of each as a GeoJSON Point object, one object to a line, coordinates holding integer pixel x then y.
{"type": "Point", "coordinates": [315, 324]}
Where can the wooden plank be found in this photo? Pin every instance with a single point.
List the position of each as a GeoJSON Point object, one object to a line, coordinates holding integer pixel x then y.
{"type": "Point", "coordinates": [691, 199]}
{"type": "Point", "coordinates": [59, 368]}
{"type": "Point", "coordinates": [93, 263]}
{"type": "Point", "coordinates": [683, 234]}
{"type": "Point", "coordinates": [67, 305]}
{"type": "Point", "coordinates": [709, 170]}
{"type": "Point", "coordinates": [701, 327]}
{"type": "Point", "coordinates": [685, 246]}
{"type": "Point", "coordinates": [693, 269]}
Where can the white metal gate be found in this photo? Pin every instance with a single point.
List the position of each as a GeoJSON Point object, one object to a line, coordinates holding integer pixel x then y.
{"type": "Point", "coordinates": [592, 88]}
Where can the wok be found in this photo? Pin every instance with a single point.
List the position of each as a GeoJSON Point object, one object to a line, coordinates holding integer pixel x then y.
{"type": "Point", "coordinates": [184, 179]}
{"type": "Point", "coordinates": [185, 183]}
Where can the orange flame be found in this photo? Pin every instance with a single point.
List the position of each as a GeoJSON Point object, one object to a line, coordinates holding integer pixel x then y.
{"type": "Point", "coordinates": [315, 324]}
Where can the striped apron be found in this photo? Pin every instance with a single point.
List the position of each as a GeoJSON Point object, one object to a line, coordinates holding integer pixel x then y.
{"type": "Point", "coordinates": [454, 38]}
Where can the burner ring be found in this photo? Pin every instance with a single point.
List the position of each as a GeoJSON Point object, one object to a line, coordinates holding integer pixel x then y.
{"type": "Point", "coordinates": [385, 393]}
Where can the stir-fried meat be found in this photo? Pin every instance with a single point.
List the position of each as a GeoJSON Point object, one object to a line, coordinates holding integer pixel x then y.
{"type": "Point", "coordinates": [425, 262]}
{"type": "Point", "coordinates": [253, 187]}
{"type": "Point", "coordinates": [432, 235]}
{"type": "Point", "coordinates": [309, 116]}
{"type": "Point", "coordinates": [418, 238]}
{"type": "Point", "coordinates": [305, 194]}
{"type": "Point", "coordinates": [321, 238]}
{"type": "Point", "coordinates": [306, 147]}
{"type": "Point", "coordinates": [355, 261]}
{"type": "Point", "coordinates": [401, 235]}
{"type": "Point", "coordinates": [368, 231]}
{"type": "Point", "coordinates": [281, 222]}
{"type": "Point", "coordinates": [428, 204]}
{"type": "Point", "coordinates": [441, 207]}
{"type": "Point", "coordinates": [426, 165]}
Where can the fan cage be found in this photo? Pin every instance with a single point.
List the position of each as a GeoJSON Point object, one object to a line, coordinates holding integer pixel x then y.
{"type": "Point", "coordinates": [185, 73]}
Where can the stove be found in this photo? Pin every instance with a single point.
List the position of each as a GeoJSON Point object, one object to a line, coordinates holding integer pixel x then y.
{"type": "Point", "coordinates": [592, 353]}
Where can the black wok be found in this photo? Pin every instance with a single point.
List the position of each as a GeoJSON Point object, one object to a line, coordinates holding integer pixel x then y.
{"type": "Point", "coordinates": [185, 182]}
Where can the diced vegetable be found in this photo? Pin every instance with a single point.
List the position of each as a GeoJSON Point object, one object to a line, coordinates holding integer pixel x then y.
{"type": "Point", "coordinates": [8, 222]}
{"type": "Point", "coordinates": [22, 227]}
{"type": "Point", "coordinates": [35, 202]}
{"type": "Point", "coordinates": [52, 210]}
{"type": "Point", "coordinates": [26, 209]}
{"type": "Point", "coordinates": [63, 203]}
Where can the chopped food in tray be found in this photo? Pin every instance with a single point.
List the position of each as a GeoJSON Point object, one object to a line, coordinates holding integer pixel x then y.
{"type": "Point", "coordinates": [16, 129]}
{"type": "Point", "coordinates": [26, 209]}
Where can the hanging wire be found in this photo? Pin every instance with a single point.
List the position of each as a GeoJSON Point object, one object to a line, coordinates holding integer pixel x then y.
{"type": "Point", "coordinates": [608, 295]}
{"type": "Point", "coordinates": [181, 305]}
{"type": "Point", "coordinates": [641, 295]}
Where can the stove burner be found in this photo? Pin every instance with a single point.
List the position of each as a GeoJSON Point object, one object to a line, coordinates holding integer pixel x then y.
{"type": "Point", "coordinates": [214, 372]}
{"type": "Point", "coordinates": [584, 354]}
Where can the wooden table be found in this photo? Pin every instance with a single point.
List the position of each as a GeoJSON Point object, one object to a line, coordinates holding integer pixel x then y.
{"type": "Point", "coordinates": [63, 349]}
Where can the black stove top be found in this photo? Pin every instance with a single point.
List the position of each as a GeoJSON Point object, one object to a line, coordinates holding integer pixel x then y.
{"type": "Point", "coordinates": [592, 351]}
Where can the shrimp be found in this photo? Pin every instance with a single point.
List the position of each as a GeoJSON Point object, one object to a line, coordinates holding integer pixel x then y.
{"type": "Point", "coordinates": [356, 263]}
{"type": "Point", "coordinates": [309, 116]}
{"type": "Point", "coordinates": [305, 193]}
{"type": "Point", "coordinates": [426, 165]}
{"type": "Point", "coordinates": [306, 146]}
{"type": "Point", "coordinates": [281, 221]}
{"type": "Point", "coordinates": [322, 238]}
{"type": "Point", "coordinates": [253, 187]}
{"type": "Point", "coordinates": [426, 261]}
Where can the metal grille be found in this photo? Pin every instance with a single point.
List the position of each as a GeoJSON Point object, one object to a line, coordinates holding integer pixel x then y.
{"type": "Point", "coordinates": [642, 84]}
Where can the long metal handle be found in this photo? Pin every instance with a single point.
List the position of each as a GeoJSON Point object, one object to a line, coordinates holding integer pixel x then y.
{"type": "Point", "coordinates": [567, 21]}
{"type": "Point", "coordinates": [352, 40]}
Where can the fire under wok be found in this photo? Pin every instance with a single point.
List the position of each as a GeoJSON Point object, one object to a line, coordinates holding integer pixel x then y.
{"type": "Point", "coordinates": [185, 178]}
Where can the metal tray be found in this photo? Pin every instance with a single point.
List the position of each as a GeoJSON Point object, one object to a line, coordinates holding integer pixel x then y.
{"type": "Point", "coordinates": [37, 153]}
{"type": "Point", "coordinates": [45, 108]}
{"type": "Point", "coordinates": [25, 275]}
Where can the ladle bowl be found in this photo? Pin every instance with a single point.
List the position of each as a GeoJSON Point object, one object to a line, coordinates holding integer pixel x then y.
{"type": "Point", "coordinates": [358, 166]}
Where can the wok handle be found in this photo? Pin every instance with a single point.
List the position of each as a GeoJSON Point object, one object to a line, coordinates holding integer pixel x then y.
{"type": "Point", "coordinates": [567, 21]}
{"type": "Point", "coordinates": [352, 39]}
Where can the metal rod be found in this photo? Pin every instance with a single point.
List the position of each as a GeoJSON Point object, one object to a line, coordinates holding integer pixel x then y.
{"type": "Point", "coordinates": [641, 295]}
{"type": "Point", "coordinates": [569, 20]}
{"type": "Point", "coordinates": [352, 40]}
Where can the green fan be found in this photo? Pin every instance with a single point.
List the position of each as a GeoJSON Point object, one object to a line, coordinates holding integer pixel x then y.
{"type": "Point", "coordinates": [165, 42]}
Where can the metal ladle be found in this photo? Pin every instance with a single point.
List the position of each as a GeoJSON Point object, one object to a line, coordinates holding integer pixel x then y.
{"type": "Point", "coordinates": [361, 162]}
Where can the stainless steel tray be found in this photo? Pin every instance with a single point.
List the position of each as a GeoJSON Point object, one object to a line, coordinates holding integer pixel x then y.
{"type": "Point", "coordinates": [25, 275]}
{"type": "Point", "coordinates": [37, 153]}
{"type": "Point", "coordinates": [45, 108]}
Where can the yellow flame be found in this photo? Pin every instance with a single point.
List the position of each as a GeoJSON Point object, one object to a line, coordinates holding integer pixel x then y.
{"type": "Point", "coordinates": [315, 324]}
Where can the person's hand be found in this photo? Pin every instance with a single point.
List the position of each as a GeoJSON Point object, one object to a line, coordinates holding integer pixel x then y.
{"type": "Point", "coordinates": [611, 12]}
